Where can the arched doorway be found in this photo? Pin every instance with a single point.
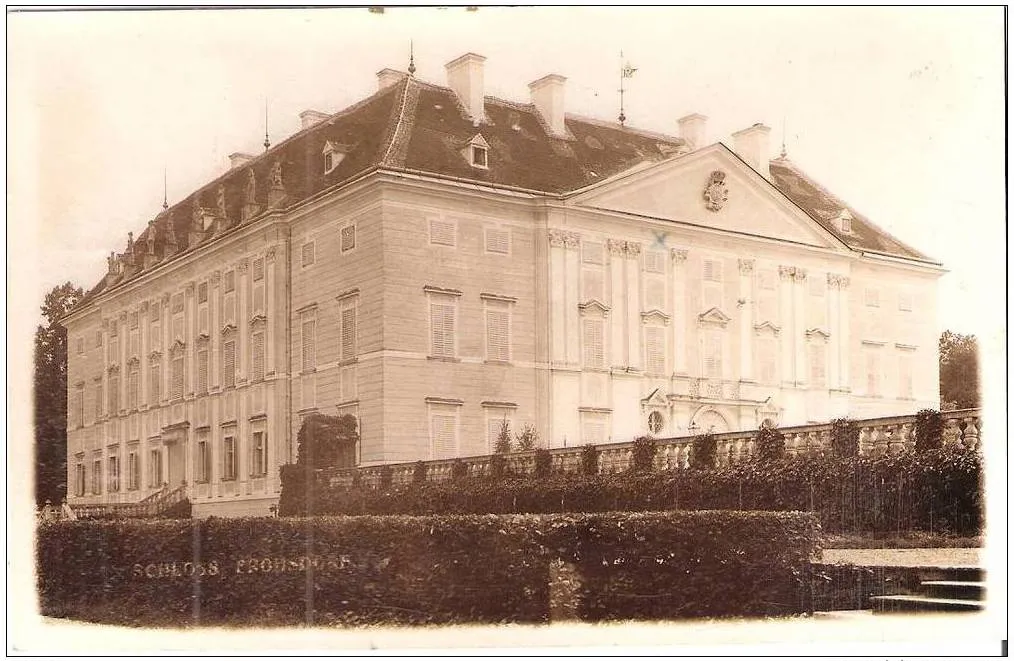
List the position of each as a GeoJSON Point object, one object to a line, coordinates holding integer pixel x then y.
{"type": "Point", "coordinates": [709, 420]}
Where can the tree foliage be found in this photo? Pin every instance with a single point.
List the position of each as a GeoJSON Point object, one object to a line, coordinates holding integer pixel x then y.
{"type": "Point", "coordinates": [327, 440]}
{"type": "Point", "coordinates": [50, 386]}
{"type": "Point", "coordinates": [959, 371]}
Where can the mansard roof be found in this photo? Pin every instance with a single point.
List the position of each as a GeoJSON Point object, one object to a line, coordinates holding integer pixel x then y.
{"type": "Point", "coordinates": [417, 126]}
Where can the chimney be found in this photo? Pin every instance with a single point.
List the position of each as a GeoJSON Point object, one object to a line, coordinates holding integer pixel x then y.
{"type": "Point", "coordinates": [236, 159]}
{"type": "Point", "coordinates": [547, 97]}
{"type": "Point", "coordinates": [751, 144]}
{"type": "Point", "coordinates": [388, 77]}
{"type": "Point", "coordinates": [309, 118]}
{"type": "Point", "coordinates": [692, 129]}
{"type": "Point", "coordinates": [464, 76]}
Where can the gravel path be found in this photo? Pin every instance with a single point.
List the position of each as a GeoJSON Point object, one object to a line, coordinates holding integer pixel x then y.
{"type": "Point", "coordinates": [904, 557]}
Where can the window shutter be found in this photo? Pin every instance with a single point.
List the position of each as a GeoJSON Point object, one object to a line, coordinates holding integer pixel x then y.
{"type": "Point", "coordinates": [497, 335]}
{"type": "Point", "coordinates": [497, 240]}
{"type": "Point", "coordinates": [257, 373]}
{"type": "Point", "coordinates": [132, 387]}
{"type": "Point", "coordinates": [309, 342]}
{"type": "Point", "coordinates": [156, 384]}
{"type": "Point", "coordinates": [713, 356]}
{"type": "Point", "coordinates": [178, 332]}
{"type": "Point", "coordinates": [593, 342]}
{"type": "Point", "coordinates": [202, 371]}
{"type": "Point", "coordinates": [654, 348]}
{"type": "Point", "coordinates": [258, 298]}
{"type": "Point", "coordinates": [872, 297]}
{"type": "Point", "coordinates": [229, 360]}
{"type": "Point", "coordinates": [258, 269]}
{"type": "Point", "coordinates": [443, 232]}
{"type": "Point", "coordinates": [872, 373]}
{"type": "Point", "coordinates": [654, 261]}
{"type": "Point", "coordinates": [655, 294]}
{"type": "Point", "coordinates": [202, 292]}
{"type": "Point", "coordinates": [816, 286]}
{"type": "Point", "coordinates": [817, 364]}
{"type": "Point", "coordinates": [98, 400]}
{"type": "Point", "coordinates": [444, 430]}
{"type": "Point", "coordinates": [905, 301]}
{"type": "Point", "coordinates": [348, 332]}
{"type": "Point", "coordinates": [308, 253]}
{"type": "Point", "coordinates": [177, 377]}
{"type": "Point", "coordinates": [442, 322]}
{"type": "Point", "coordinates": [202, 320]}
{"type": "Point", "coordinates": [712, 270]}
{"type": "Point", "coordinates": [592, 253]}
{"type": "Point", "coordinates": [348, 238]}
{"type": "Point", "coordinates": [905, 376]}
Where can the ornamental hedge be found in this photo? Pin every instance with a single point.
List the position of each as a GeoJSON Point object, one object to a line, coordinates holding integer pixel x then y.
{"type": "Point", "coordinates": [426, 570]}
{"type": "Point", "coordinates": [935, 490]}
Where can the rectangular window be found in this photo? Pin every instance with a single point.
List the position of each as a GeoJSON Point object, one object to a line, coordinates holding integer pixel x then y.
{"type": "Point", "coordinates": [97, 476]}
{"type": "Point", "coordinates": [202, 320]}
{"type": "Point", "coordinates": [203, 459]}
{"type": "Point", "coordinates": [79, 343]}
{"type": "Point", "coordinates": [155, 469]}
{"type": "Point", "coordinates": [654, 261]}
{"type": "Point", "coordinates": [479, 156]}
{"type": "Point", "coordinates": [133, 471]}
{"type": "Point", "coordinates": [202, 370]}
{"type": "Point", "coordinates": [257, 362]}
{"type": "Point", "coordinates": [229, 364]}
{"type": "Point", "coordinates": [818, 365]}
{"type": "Point", "coordinates": [495, 420]}
{"type": "Point", "coordinates": [133, 386]}
{"type": "Point", "coordinates": [179, 332]}
{"type": "Point", "coordinates": [135, 343]}
{"type": "Point", "coordinates": [593, 428]}
{"type": "Point", "coordinates": [79, 478]}
{"type": "Point", "coordinates": [177, 376]}
{"type": "Point", "coordinates": [905, 301]}
{"type": "Point", "coordinates": [498, 324]}
{"type": "Point", "coordinates": [177, 303]}
{"type": "Point", "coordinates": [712, 270]}
{"type": "Point", "coordinates": [712, 284]}
{"type": "Point", "coordinates": [444, 432]}
{"type": "Point", "coordinates": [592, 284]}
{"type": "Point", "coordinates": [98, 341]}
{"type": "Point", "coordinates": [872, 297]}
{"type": "Point", "coordinates": [654, 294]}
{"type": "Point", "coordinates": [348, 238]}
{"type": "Point", "coordinates": [156, 338]}
{"type": "Point", "coordinates": [767, 357]}
{"type": "Point", "coordinates": [77, 412]}
{"type": "Point", "coordinates": [443, 232]}
{"type": "Point", "coordinates": [309, 350]}
{"type": "Point", "coordinates": [498, 240]}
{"type": "Point", "coordinates": [229, 458]}
{"type": "Point", "coordinates": [654, 350]}
{"type": "Point", "coordinates": [873, 373]}
{"type": "Point", "coordinates": [114, 474]}
{"type": "Point", "coordinates": [348, 331]}
{"type": "Point", "coordinates": [905, 375]}
{"type": "Point", "coordinates": [156, 384]}
{"type": "Point", "coordinates": [202, 292]}
{"type": "Point", "coordinates": [816, 285]}
{"type": "Point", "coordinates": [258, 269]}
{"type": "Point", "coordinates": [308, 254]}
{"type": "Point", "coordinates": [592, 252]}
{"type": "Point", "coordinates": [98, 399]}
{"type": "Point", "coordinates": [442, 329]}
{"type": "Point", "coordinates": [593, 342]}
{"type": "Point", "coordinates": [259, 454]}
{"type": "Point", "coordinates": [229, 282]}
{"type": "Point", "coordinates": [713, 356]}
{"type": "Point", "coordinates": [114, 394]}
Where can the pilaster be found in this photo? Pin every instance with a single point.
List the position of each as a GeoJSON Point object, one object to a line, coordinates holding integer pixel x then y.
{"type": "Point", "coordinates": [633, 309]}
{"type": "Point", "coordinates": [681, 318]}
{"type": "Point", "coordinates": [746, 305]}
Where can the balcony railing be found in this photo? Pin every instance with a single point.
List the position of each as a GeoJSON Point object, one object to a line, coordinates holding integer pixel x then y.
{"type": "Point", "coordinates": [876, 436]}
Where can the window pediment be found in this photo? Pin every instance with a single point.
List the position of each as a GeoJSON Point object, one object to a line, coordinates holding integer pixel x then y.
{"type": "Point", "coordinates": [114, 369]}
{"type": "Point", "coordinates": [766, 328]}
{"type": "Point", "coordinates": [258, 320]}
{"type": "Point", "coordinates": [656, 316]}
{"type": "Point", "coordinates": [228, 328]}
{"type": "Point", "coordinates": [155, 356]}
{"type": "Point", "coordinates": [133, 361]}
{"type": "Point", "coordinates": [817, 333]}
{"type": "Point", "coordinates": [655, 398]}
{"type": "Point", "coordinates": [714, 317]}
{"type": "Point", "coordinates": [594, 306]}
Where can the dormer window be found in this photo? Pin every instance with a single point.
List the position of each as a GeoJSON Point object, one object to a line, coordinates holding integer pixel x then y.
{"type": "Point", "coordinates": [844, 221]}
{"type": "Point", "coordinates": [478, 152]}
{"type": "Point", "coordinates": [332, 157]}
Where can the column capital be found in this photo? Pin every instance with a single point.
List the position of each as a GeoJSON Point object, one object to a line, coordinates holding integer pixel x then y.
{"type": "Point", "coordinates": [678, 255]}
{"type": "Point", "coordinates": [746, 266]}
{"type": "Point", "coordinates": [837, 280]}
{"type": "Point", "coordinates": [616, 246]}
{"type": "Point", "coordinates": [633, 249]}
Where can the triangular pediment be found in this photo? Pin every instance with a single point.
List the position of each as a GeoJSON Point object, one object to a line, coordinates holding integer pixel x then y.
{"type": "Point", "coordinates": [655, 398]}
{"type": "Point", "coordinates": [594, 305]}
{"type": "Point", "coordinates": [766, 327]}
{"type": "Point", "coordinates": [711, 188]}
{"type": "Point", "coordinates": [714, 316]}
{"type": "Point", "coordinates": [818, 333]}
{"type": "Point", "coordinates": [656, 316]}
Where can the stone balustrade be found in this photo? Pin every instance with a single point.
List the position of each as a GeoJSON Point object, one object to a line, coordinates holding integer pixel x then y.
{"type": "Point", "coordinates": [877, 436]}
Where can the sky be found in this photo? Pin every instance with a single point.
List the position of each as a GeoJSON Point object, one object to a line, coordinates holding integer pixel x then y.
{"type": "Point", "coordinates": [899, 111]}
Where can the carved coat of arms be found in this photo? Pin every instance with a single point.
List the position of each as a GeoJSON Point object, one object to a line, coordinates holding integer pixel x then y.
{"type": "Point", "coordinates": [716, 193]}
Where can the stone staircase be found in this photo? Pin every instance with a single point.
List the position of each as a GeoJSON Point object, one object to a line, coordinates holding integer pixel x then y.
{"type": "Point", "coordinates": [939, 589]}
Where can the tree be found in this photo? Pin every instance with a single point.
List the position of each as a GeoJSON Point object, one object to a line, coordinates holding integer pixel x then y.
{"type": "Point", "coordinates": [326, 441]}
{"type": "Point", "coordinates": [959, 371]}
{"type": "Point", "coordinates": [503, 438]}
{"type": "Point", "coordinates": [50, 386]}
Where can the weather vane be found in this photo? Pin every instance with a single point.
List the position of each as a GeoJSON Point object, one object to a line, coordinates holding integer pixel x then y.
{"type": "Point", "coordinates": [626, 71]}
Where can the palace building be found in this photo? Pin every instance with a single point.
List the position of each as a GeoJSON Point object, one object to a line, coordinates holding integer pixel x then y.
{"type": "Point", "coordinates": [433, 260]}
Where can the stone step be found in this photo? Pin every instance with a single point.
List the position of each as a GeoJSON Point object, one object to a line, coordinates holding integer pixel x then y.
{"type": "Point", "coordinates": [911, 602]}
{"type": "Point", "coordinates": [974, 590]}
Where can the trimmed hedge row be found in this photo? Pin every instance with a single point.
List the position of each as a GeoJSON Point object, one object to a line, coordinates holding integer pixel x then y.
{"type": "Point", "coordinates": [426, 570]}
{"type": "Point", "coordinates": [936, 490]}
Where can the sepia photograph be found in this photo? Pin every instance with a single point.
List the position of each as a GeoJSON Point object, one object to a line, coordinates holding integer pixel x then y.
{"type": "Point", "coordinates": [650, 330]}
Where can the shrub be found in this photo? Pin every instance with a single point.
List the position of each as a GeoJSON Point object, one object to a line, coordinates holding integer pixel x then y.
{"type": "Point", "coordinates": [419, 472]}
{"type": "Point", "coordinates": [643, 454]}
{"type": "Point", "coordinates": [503, 438]}
{"type": "Point", "coordinates": [543, 463]}
{"type": "Point", "coordinates": [703, 449]}
{"type": "Point", "coordinates": [498, 466]}
{"type": "Point", "coordinates": [527, 438]}
{"type": "Point", "coordinates": [459, 470]}
{"type": "Point", "coordinates": [589, 460]}
{"type": "Point", "coordinates": [327, 440]}
{"type": "Point", "coordinates": [844, 438]}
{"type": "Point", "coordinates": [929, 429]}
{"type": "Point", "coordinates": [386, 477]}
{"type": "Point", "coordinates": [770, 443]}
{"type": "Point", "coordinates": [425, 570]}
